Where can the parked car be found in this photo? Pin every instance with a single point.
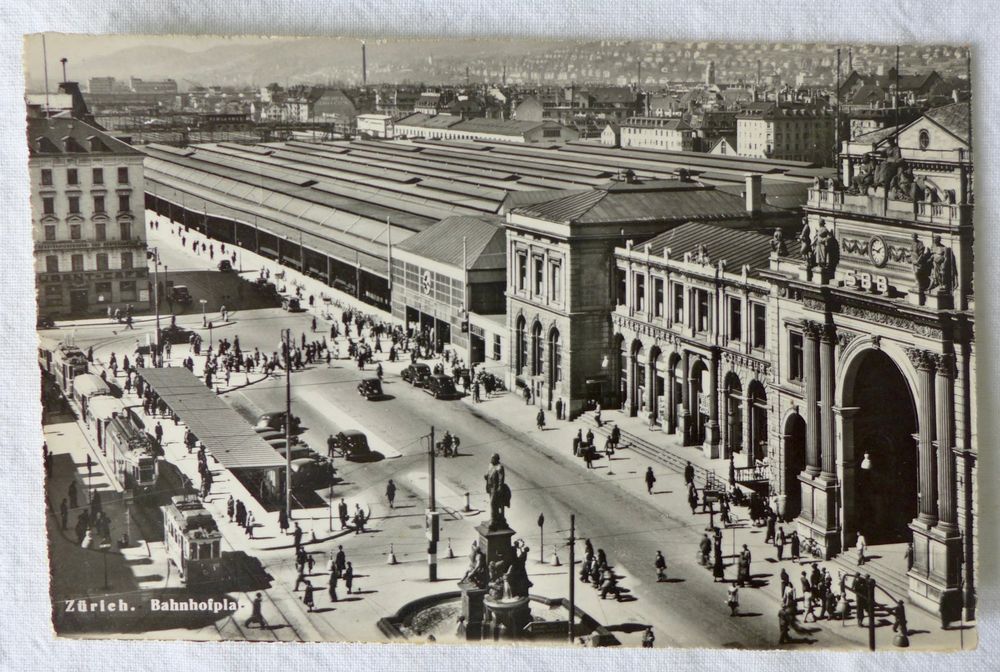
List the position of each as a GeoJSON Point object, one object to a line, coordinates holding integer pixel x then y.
{"type": "Point", "coordinates": [416, 374]}
{"type": "Point", "coordinates": [441, 386]}
{"type": "Point", "coordinates": [299, 451]}
{"type": "Point", "coordinates": [174, 335]}
{"type": "Point", "coordinates": [291, 304]}
{"type": "Point", "coordinates": [45, 322]}
{"type": "Point", "coordinates": [370, 388]}
{"type": "Point", "coordinates": [276, 420]}
{"type": "Point", "coordinates": [180, 294]}
{"type": "Point", "coordinates": [225, 266]}
{"type": "Point", "coordinates": [312, 472]}
{"type": "Point", "coordinates": [351, 444]}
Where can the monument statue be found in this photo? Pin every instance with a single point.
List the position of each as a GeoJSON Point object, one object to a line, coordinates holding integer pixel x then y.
{"type": "Point", "coordinates": [825, 249]}
{"type": "Point", "coordinates": [778, 243]}
{"type": "Point", "coordinates": [920, 261]}
{"type": "Point", "coordinates": [943, 273]}
{"type": "Point", "coordinates": [477, 573]}
{"type": "Point", "coordinates": [517, 582]}
{"type": "Point", "coordinates": [805, 244]}
{"type": "Point", "coordinates": [499, 493]}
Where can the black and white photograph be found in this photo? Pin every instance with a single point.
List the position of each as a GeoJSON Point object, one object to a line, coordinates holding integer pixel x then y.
{"type": "Point", "coordinates": [525, 342]}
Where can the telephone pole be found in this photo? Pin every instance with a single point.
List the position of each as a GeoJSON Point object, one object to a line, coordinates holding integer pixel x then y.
{"type": "Point", "coordinates": [570, 571]}
{"type": "Point", "coordinates": [432, 516]}
{"type": "Point", "coordinates": [288, 423]}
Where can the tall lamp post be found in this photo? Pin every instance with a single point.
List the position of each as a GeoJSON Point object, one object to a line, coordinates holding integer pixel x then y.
{"type": "Point", "coordinates": [204, 318]}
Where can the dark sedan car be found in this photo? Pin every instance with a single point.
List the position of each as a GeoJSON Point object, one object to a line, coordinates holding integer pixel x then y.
{"type": "Point", "coordinates": [370, 388]}
{"type": "Point", "coordinates": [441, 387]}
{"type": "Point", "coordinates": [416, 374]}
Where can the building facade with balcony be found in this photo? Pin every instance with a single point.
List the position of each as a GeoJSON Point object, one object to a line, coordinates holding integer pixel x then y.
{"type": "Point", "coordinates": [87, 219]}
{"type": "Point", "coordinates": [876, 366]}
{"type": "Point", "coordinates": [693, 334]}
{"type": "Point", "coordinates": [562, 286]}
{"type": "Point", "coordinates": [793, 134]}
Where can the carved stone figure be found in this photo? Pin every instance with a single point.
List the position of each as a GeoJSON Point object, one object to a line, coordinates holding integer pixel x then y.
{"type": "Point", "coordinates": [920, 261]}
{"type": "Point", "coordinates": [943, 272]}
{"type": "Point", "coordinates": [497, 580]}
{"type": "Point", "coordinates": [517, 582]}
{"type": "Point", "coordinates": [499, 493]}
{"type": "Point", "coordinates": [778, 243]}
{"type": "Point", "coordinates": [477, 573]}
{"type": "Point", "coordinates": [825, 249]}
{"type": "Point", "coordinates": [805, 244]}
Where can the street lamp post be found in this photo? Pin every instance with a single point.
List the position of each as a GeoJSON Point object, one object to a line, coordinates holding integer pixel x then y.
{"type": "Point", "coordinates": [157, 357]}
{"type": "Point", "coordinates": [541, 541]}
{"type": "Point", "coordinates": [204, 318]}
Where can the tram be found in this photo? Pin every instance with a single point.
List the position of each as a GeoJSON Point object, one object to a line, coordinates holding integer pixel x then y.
{"type": "Point", "coordinates": [132, 454]}
{"type": "Point", "coordinates": [68, 362]}
{"type": "Point", "coordinates": [193, 540]}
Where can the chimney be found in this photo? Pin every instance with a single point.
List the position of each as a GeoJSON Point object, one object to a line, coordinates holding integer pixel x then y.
{"type": "Point", "coordinates": [364, 65]}
{"type": "Point", "coordinates": [752, 193]}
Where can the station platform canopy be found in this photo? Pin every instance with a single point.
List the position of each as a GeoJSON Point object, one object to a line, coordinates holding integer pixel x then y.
{"type": "Point", "coordinates": [223, 432]}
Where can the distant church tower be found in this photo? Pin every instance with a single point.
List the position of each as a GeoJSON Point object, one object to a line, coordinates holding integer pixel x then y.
{"type": "Point", "coordinates": [710, 73]}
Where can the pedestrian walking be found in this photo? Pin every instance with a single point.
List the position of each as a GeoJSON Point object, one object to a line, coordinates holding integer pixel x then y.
{"type": "Point", "coordinates": [862, 546]}
{"type": "Point", "coordinates": [282, 520]}
{"type": "Point", "coordinates": [597, 416]}
{"type": "Point", "coordinates": [341, 560]}
{"type": "Point", "coordinates": [301, 578]}
{"type": "Point", "coordinates": [899, 616]}
{"type": "Point", "coordinates": [772, 520]}
{"type": "Point", "coordinates": [783, 621]}
{"type": "Point", "coordinates": [334, 578]}
{"type": "Point", "coordinates": [661, 567]}
{"type": "Point", "coordinates": [297, 536]}
{"type": "Point", "coordinates": [779, 542]}
{"type": "Point", "coordinates": [559, 409]}
{"type": "Point", "coordinates": [733, 600]}
{"type": "Point", "coordinates": [390, 493]}
{"type": "Point", "coordinates": [704, 550]}
{"type": "Point", "coordinates": [689, 474]}
{"type": "Point", "coordinates": [540, 419]}
{"type": "Point", "coordinates": [251, 523]}
{"type": "Point", "coordinates": [349, 577]}
{"type": "Point", "coordinates": [693, 498]}
{"type": "Point", "coordinates": [231, 508]}
{"type": "Point", "coordinates": [256, 615]}
{"type": "Point", "coordinates": [588, 455]}
{"type": "Point", "coordinates": [342, 512]}
{"type": "Point", "coordinates": [718, 569]}
{"type": "Point", "coordinates": [577, 441]}
{"type": "Point", "coordinates": [307, 598]}
{"type": "Point", "coordinates": [650, 480]}
{"type": "Point", "coordinates": [648, 638]}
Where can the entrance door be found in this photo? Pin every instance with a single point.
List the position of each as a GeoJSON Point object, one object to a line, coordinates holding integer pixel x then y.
{"type": "Point", "coordinates": [795, 463]}
{"type": "Point", "coordinates": [78, 300]}
{"type": "Point", "coordinates": [477, 349]}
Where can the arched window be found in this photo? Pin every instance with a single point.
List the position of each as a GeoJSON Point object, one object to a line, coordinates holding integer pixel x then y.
{"type": "Point", "coordinates": [536, 349]}
{"type": "Point", "coordinates": [521, 349]}
{"type": "Point", "coordinates": [555, 356]}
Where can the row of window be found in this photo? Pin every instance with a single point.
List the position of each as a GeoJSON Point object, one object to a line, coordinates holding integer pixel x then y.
{"type": "Point", "coordinates": [126, 292]}
{"type": "Point", "coordinates": [73, 176]}
{"type": "Point", "coordinates": [77, 263]}
{"type": "Point", "coordinates": [538, 277]}
{"type": "Point", "coordinates": [533, 361]}
{"type": "Point", "coordinates": [73, 204]}
{"type": "Point", "coordinates": [699, 318]}
{"type": "Point", "coordinates": [100, 231]}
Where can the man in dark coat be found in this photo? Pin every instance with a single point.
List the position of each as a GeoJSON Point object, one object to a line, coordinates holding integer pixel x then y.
{"type": "Point", "coordinates": [689, 474]}
{"type": "Point", "coordinates": [340, 560]}
{"type": "Point", "coordinates": [650, 480]}
{"type": "Point", "coordinates": [297, 536]}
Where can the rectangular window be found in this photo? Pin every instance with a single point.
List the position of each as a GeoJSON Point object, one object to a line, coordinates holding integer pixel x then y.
{"type": "Point", "coordinates": [539, 275]}
{"type": "Point", "coordinates": [103, 291]}
{"type": "Point", "coordinates": [496, 347]}
{"type": "Point", "coordinates": [123, 175]}
{"type": "Point", "coordinates": [759, 326]}
{"type": "Point", "coordinates": [53, 295]}
{"type": "Point", "coordinates": [701, 306]}
{"type": "Point", "coordinates": [71, 176]}
{"type": "Point", "coordinates": [522, 271]}
{"type": "Point", "coordinates": [75, 232]}
{"type": "Point", "coordinates": [640, 292]}
{"type": "Point", "coordinates": [46, 177]}
{"type": "Point", "coordinates": [125, 230]}
{"type": "Point", "coordinates": [74, 204]}
{"type": "Point", "coordinates": [98, 176]}
{"type": "Point", "coordinates": [100, 231]}
{"type": "Point", "coordinates": [48, 205]}
{"type": "Point", "coordinates": [657, 297]}
{"type": "Point", "coordinates": [124, 204]}
{"type": "Point", "coordinates": [621, 283]}
{"type": "Point", "coordinates": [50, 232]}
{"type": "Point", "coordinates": [796, 366]}
{"type": "Point", "coordinates": [102, 261]}
{"type": "Point", "coordinates": [555, 282]}
{"type": "Point", "coordinates": [127, 290]}
{"type": "Point", "coordinates": [126, 260]}
{"type": "Point", "coordinates": [98, 204]}
{"type": "Point", "coordinates": [735, 319]}
{"type": "Point", "coordinates": [679, 303]}
{"type": "Point", "coordinates": [77, 261]}
{"type": "Point", "coordinates": [52, 264]}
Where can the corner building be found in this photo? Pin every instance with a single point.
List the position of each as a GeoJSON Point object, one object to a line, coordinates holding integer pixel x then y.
{"type": "Point", "coordinates": [875, 366]}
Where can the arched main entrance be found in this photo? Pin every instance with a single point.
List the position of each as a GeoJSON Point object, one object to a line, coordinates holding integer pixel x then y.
{"type": "Point", "coordinates": [555, 363]}
{"type": "Point", "coordinates": [675, 391]}
{"type": "Point", "coordinates": [757, 401]}
{"type": "Point", "coordinates": [699, 402]}
{"type": "Point", "coordinates": [655, 385]}
{"type": "Point", "coordinates": [637, 400]}
{"type": "Point", "coordinates": [794, 440]}
{"type": "Point", "coordinates": [884, 424]}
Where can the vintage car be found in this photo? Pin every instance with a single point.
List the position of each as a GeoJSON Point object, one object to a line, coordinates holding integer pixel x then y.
{"type": "Point", "coordinates": [291, 304]}
{"type": "Point", "coordinates": [350, 444]}
{"type": "Point", "coordinates": [180, 294]}
{"type": "Point", "coordinates": [441, 386]}
{"type": "Point", "coordinates": [275, 420]}
{"type": "Point", "coordinates": [174, 335]}
{"type": "Point", "coordinates": [416, 374]}
{"type": "Point", "coordinates": [225, 266]}
{"type": "Point", "coordinates": [371, 388]}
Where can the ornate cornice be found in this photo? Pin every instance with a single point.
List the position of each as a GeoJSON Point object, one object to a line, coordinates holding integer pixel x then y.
{"type": "Point", "coordinates": [945, 364]}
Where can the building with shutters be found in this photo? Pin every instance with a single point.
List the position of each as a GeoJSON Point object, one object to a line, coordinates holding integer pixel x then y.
{"type": "Point", "coordinates": [88, 229]}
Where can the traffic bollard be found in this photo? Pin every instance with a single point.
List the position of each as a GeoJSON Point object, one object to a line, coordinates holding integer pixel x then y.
{"type": "Point", "coordinates": [392, 556]}
{"type": "Point", "coordinates": [468, 508]}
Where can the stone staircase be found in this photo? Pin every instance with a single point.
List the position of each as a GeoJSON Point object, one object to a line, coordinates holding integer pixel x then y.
{"type": "Point", "coordinates": [887, 575]}
{"type": "Point", "coordinates": [706, 478]}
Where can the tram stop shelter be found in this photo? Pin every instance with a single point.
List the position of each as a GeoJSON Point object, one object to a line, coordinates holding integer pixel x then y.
{"type": "Point", "coordinates": [227, 437]}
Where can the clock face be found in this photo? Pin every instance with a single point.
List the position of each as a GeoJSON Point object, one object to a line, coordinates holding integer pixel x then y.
{"type": "Point", "coordinates": [878, 251]}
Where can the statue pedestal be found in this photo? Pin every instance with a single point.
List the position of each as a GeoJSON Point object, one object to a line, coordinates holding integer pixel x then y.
{"type": "Point", "coordinates": [495, 544]}
{"type": "Point", "coordinates": [506, 619]}
{"type": "Point", "coordinates": [473, 610]}
{"type": "Point", "coordinates": [939, 300]}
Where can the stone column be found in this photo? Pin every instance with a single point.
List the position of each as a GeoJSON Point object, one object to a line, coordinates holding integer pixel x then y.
{"type": "Point", "coordinates": [712, 427]}
{"type": "Point", "coordinates": [923, 360]}
{"type": "Point", "coordinates": [826, 386]}
{"type": "Point", "coordinates": [810, 355]}
{"type": "Point", "coordinates": [685, 397]}
{"type": "Point", "coordinates": [945, 398]}
{"type": "Point", "coordinates": [747, 429]}
{"type": "Point", "coordinates": [629, 384]}
{"type": "Point", "coordinates": [669, 422]}
{"type": "Point", "coordinates": [651, 399]}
